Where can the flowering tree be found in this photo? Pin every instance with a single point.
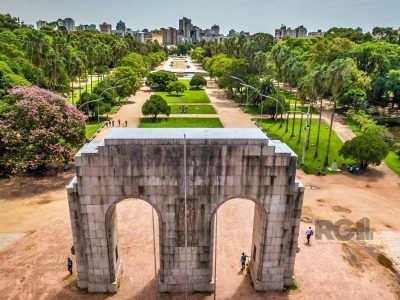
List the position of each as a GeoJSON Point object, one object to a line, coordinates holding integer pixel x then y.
{"type": "Point", "coordinates": [40, 128]}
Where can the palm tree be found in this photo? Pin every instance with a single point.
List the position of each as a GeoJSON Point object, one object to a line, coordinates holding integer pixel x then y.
{"type": "Point", "coordinates": [74, 67]}
{"type": "Point", "coordinates": [319, 83]}
{"type": "Point", "coordinates": [337, 74]}
{"type": "Point", "coordinates": [298, 70]}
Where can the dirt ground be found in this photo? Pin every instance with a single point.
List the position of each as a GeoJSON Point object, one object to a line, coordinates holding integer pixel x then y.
{"type": "Point", "coordinates": [34, 266]}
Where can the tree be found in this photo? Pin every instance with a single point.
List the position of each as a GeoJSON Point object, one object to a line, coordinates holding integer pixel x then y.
{"type": "Point", "coordinates": [39, 129]}
{"type": "Point", "coordinates": [198, 81]}
{"type": "Point", "coordinates": [176, 86]}
{"type": "Point", "coordinates": [159, 80]}
{"type": "Point", "coordinates": [154, 106]}
{"type": "Point", "coordinates": [366, 149]}
{"type": "Point", "coordinates": [125, 80]}
{"type": "Point", "coordinates": [393, 85]}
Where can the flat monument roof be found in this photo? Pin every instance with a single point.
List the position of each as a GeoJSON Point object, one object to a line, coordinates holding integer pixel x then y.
{"type": "Point", "coordinates": [191, 133]}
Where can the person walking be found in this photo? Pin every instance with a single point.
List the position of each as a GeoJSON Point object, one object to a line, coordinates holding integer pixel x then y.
{"type": "Point", "coordinates": [112, 122]}
{"type": "Point", "coordinates": [309, 234]}
{"type": "Point", "coordinates": [243, 260]}
{"type": "Point", "coordinates": [126, 123]}
{"type": "Point", "coordinates": [69, 264]}
{"type": "Point", "coordinates": [119, 123]}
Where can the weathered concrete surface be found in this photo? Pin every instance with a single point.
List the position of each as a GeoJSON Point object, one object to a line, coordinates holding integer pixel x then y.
{"type": "Point", "coordinates": [148, 164]}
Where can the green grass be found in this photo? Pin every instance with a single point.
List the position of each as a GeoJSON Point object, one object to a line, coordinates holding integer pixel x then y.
{"type": "Point", "coordinates": [311, 164]}
{"type": "Point", "coordinates": [92, 127]}
{"type": "Point", "coordinates": [194, 109]}
{"type": "Point", "coordinates": [189, 96]}
{"type": "Point", "coordinates": [392, 160]}
{"type": "Point", "coordinates": [83, 89]}
{"type": "Point", "coordinates": [181, 123]}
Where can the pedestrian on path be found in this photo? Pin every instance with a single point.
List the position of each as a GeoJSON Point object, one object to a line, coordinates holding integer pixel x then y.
{"type": "Point", "coordinates": [126, 123]}
{"type": "Point", "coordinates": [309, 234]}
{"type": "Point", "coordinates": [112, 122]}
{"type": "Point", "coordinates": [243, 261]}
{"type": "Point", "coordinates": [119, 123]}
{"type": "Point", "coordinates": [69, 264]}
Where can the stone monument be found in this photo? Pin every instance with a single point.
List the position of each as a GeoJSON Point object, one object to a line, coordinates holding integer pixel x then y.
{"type": "Point", "coordinates": [148, 164]}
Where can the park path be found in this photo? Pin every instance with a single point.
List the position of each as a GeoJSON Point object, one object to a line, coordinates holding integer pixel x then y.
{"type": "Point", "coordinates": [130, 111]}
{"type": "Point", "coordinates": [229, 112]}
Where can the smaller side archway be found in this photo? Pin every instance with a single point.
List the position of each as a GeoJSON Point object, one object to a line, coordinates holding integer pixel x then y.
{"type": "Point", "coordinates": [114, 254]}
{"type": "Point", "coordinates": [258, 231]}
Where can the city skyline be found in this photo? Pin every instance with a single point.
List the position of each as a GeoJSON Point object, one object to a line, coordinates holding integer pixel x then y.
{"type": "Point", "coordinates": [263, 18]}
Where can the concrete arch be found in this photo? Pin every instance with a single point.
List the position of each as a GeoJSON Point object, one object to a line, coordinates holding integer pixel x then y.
{"type": "Point", "coordinates": [147, 164]}
{"type": "Point", "coordinates": [111, 229]}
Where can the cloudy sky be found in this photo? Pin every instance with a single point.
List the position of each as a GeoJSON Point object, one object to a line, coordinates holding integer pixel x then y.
{"type": "Point", "coordinates": [247, 15]}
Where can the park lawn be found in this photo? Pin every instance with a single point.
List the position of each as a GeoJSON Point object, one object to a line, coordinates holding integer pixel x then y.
{"type": "Point", "coordinates": [392, 160]}
{"type": "Point", "coordinates": [194, 109]}
{"type": "Point", "coordinates": [256, 110]}
{"type": "Point", "coordinates": [92, 127]}
{"type": "Point", "coordinates": [189, 96]}
{"type": "Point", "coordinates": [311, 164]}
{"type": "Point", "coordinates": [181, 123]}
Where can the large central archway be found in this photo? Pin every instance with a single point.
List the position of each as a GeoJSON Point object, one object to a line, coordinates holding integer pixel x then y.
{"type": "Point", "coordinates": [220, 164]}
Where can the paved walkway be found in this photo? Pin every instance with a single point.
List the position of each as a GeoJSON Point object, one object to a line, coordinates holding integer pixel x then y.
{"type": "Point", "coordinates": [229, 112]}
{"type": "Point", "coordinates": [130, 111]}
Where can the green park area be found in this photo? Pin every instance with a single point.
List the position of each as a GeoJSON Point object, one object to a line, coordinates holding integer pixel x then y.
{"type": "Point", "coordinates": [181, 123]}
{"type": "Point", "coordinates": [392, 160]}
{"type": "Point", "coordinates": [190, 96]}
{"type": "Point", "coordinates": [193, 109]}
{"type": "Point", "coordinates": [275, 131]}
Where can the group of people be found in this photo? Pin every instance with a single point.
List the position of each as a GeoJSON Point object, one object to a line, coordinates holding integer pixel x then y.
{"type": "Point", "coordinates": [111, 123]}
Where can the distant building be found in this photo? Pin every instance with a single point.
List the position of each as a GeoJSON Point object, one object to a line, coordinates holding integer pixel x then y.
{"type": "Point", "coordinates": [121, 26]}
{"type": "Point", "coordinates": [215, 30]}
{"type": "Point", "coordinates": [139, 35]}
{"type": "Point", "coordinates": [40, 24]}
{"type": "Point", "coordinates": [301, 32]}
{"type": "Point", "coordinates": [68, 23]}
{"type": "Point", "coordinates": [319, 32]}
{"type": "Point", "coordinates": [170, 36]}
{"type": "Point", "coordinates": [105, 28]}
{"type": "Point", "coordinates": [284, 32]}
{"type": "Point", "coordinates": [156, 35]}
{"type": "Point", "coordinates": [86, 27]}
{"type": "Point", "coordinates": [196, 34]}
{"type": "Point", "coordinates": [232, 33]}
{"type": "Point", "coordinates": [185, 27]}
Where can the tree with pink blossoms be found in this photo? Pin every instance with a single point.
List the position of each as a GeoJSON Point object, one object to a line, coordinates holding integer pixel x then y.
{"type": "Point", "coordinates": [40, 128]}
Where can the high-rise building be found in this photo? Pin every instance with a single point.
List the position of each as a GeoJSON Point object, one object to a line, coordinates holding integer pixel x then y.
{"type": "Point", "coordinates": [105, 28]}
{"type": "Point", "coordinates": [301, 32]}
{"type": "Point", "coordinates": [121, 26]}
{"type": "Point", "coordinates": [40, 24]}
{"type": "Point", "coordinates": [215, 30]}
{"type": "Point", "coordinates": [319, 32]}
{"type": "Point", "coordinates": [86, 27]}
{"type": "Point", "coordinates": [232, 33]}
{"type": "Point", "coordinates": [68, 23]}
{"type": "Point", "coordinates": [185, 27]}
{"type": "Point", "coordinates": [195, 34]}
{"type": "Point", "coordinates": [283, 32]}
{"type": "Point", "coordinates": [170, 36]}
